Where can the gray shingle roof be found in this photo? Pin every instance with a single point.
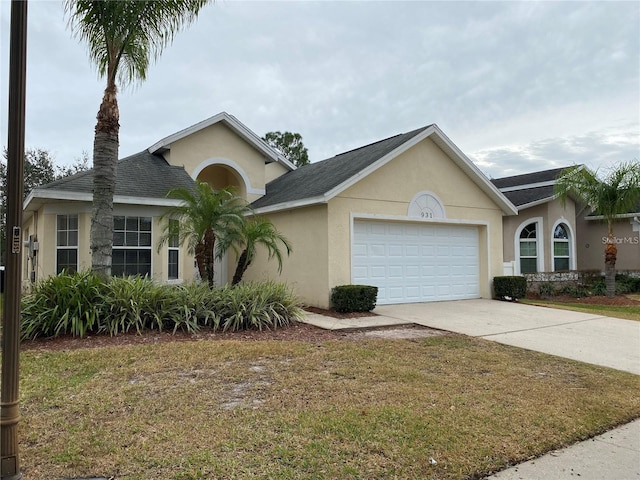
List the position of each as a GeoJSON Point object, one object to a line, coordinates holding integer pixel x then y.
{"type": "Point", "coordinates": [140, 175]}
{"type": "Point", "coordinates": [318, 178]}
{"type": "Point", "coordinates": [529, 195]}
{"type": "Point", "coordinates": [528, 178]}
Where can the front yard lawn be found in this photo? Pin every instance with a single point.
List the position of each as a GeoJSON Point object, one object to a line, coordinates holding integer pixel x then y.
{"type": "Point", "coordinates": [445, 407]}
{"type": "Point", "coordinates": [628, 312]}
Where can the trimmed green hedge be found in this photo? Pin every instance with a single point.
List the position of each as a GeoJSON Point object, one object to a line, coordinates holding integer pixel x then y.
{"type": "Point", "coordinates": [354, 298]}
{"type": "Point", "coordinates": [80, 304]}
{"type": "Point", "coordinates": [511, 287]}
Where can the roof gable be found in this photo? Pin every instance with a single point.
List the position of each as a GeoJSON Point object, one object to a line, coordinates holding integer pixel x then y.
{"type": "Point", "coordinates": [319, 182]}
{"type": "Point", "coordinates": [271, 155]}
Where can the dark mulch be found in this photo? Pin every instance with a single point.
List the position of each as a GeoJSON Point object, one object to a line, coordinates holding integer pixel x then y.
{"type": "Point", "coordinates": [295, 332]}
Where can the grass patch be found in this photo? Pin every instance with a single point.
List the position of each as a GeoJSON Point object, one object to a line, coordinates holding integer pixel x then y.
{"type": "Point", "coordinates": [300, 410]}
{"type": "Point", "coordinates": [627, 312]}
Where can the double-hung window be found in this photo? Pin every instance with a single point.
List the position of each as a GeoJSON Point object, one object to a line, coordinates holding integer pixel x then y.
{"type": "Point", "coordinates": [561, 250]}
{"type": "Point", "coordinates": [529, 249]}
{"type": "Point", "coordinates": [131, 246]}
{"type": "Point", "coordinates": [66, 243]}
{"type": "Point", "coordinates": [174, 244]}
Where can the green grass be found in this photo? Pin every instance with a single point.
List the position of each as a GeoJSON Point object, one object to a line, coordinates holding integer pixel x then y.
{"type": "Point", "coordinates": [304, 410]}
{"type": "Point", "coordinates": [628, 312]}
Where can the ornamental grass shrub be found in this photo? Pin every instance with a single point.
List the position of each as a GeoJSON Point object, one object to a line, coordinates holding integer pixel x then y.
{"type": "Point", "coordinates": [79, 304]}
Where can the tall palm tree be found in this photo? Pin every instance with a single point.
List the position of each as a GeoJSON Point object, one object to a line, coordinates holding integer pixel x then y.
{"type": "Point", "coordinates": [254, 232]}
{"type": "Point", "coordinates": [617, 194]}
{"type": "Point", "coordinates": [204, 216]}
{"type": "Point", "coordinates": [123, 37]}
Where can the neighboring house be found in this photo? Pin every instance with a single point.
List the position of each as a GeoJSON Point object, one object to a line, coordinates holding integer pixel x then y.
{"type": "Point", "coordinates": [592, 233]}
{"type": "Point", "coordinates": [410, 214]}
{"type": "Point", "coordinates": [546, 236]}
{"type": "Point", "coordinates": [542, 237]}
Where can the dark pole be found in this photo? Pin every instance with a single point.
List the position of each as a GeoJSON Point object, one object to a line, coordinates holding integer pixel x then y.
{"type": "Point", "coordinates": [9, 411]}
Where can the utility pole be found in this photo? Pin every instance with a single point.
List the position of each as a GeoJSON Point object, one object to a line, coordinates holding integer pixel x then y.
{"type": "Point", "coordinates": [9, 406]}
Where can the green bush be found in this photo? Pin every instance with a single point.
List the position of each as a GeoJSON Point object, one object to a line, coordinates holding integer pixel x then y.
{"type": "Point", "coordinates": [627, 284]}
{"type": "Point", "coordinates": [546, 290]}
{"type": "Point", "coordinates": [354, 298]}
{"type": "Point", "coordinates": [257, 306]}
{"type": "Point", "coordinates": [66, 304]}
{"type": "Point", "coordinates": [509, 287]}
{"type": "Point", "coordinates": [80, 304]}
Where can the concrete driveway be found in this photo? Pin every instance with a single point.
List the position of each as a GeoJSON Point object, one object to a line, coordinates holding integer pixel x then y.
{"type": "Point", "coordinates": [610, 342]}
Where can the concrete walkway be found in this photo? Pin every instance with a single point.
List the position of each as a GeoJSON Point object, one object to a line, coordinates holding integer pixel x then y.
{"type": "Point", "coordinates": [588, 338]}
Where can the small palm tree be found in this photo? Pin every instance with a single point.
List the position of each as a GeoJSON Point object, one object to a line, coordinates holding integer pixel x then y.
{"type": "Point", "coordinates": [123, 37]}
{"type": "Point", "coordinates": [254, 232]}
{"type": "Point", "coordinates": [617, 194]}
{"type": "Point", "coordinates": [204, 216]}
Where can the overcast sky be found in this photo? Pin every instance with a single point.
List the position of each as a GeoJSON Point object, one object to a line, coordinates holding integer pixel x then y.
{"type": "Point", "coordinates": [518, 86]}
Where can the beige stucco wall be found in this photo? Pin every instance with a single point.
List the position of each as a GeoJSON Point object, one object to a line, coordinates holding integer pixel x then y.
{"type": "Point", "coordinates": [551, 213]}
{"type": "Point", "coordinates": [43, 224]}
{"type": "Point", "coordinates": [274, 170]}
{"type": "Point", "coordinates": [388, 192]}
{"type": "Point", "coordinates": [217, 144]}
{"type": "Point", "coordinates": [306, 269]}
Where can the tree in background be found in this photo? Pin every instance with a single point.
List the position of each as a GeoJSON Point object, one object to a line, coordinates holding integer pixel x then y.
{"type": "Point", "coordinates": [39, 169]}
{"type": "Point", "coordinates": [617, 194]}
{"type": "Point", "coordinates": [253, 232]}
{"type": "Point", "coordinates": [122, 37]}
{"type": "Point", "coordinates": [204, 216]}
{"type": "Point", "coordinates": [290, 145]}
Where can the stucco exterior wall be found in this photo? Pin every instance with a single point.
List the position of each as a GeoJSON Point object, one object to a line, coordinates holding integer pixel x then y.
{"type": "Point", "coordinates": [44, 220]}
{"type": "Point", "coordinates": [388, 192]}
{"type": "Point", "coordinates": [592, 235]}
{"type": "Point", "coordinates": [551, 213]}
{"type": "Point", "coordinates": [217, 144]}
{"type": "Point", "coordinates": [306, 269]}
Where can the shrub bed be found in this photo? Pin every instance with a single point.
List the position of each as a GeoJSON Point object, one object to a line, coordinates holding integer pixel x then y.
{"type": "Point", "coordinates": [509, 287]}
{"type": "Point", "coordinates": [80, 304]}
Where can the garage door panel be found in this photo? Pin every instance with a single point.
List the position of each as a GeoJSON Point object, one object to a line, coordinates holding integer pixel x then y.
{"type": "Point", "coordinates": [412, 262]}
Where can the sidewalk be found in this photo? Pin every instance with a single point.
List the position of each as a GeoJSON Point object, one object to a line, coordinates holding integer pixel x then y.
{"type": "Point", "coordinates": [614, 455]}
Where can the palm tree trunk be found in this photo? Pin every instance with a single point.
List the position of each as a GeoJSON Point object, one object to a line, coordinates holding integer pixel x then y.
{"type": "Point", "coordinates": [105, 162]}
{"type": "Point", "coordinates": [610, 257]}
{"type": "Point", "coordinates": [209, 245]}
{"type": "Point", "coordinates": [243, 264]}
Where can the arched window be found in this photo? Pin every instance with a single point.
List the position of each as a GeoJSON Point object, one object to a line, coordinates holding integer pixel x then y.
{"type": "Point", "coordinates": [529, 248]}
{"type": "Point", "coordinates": [561, 250]}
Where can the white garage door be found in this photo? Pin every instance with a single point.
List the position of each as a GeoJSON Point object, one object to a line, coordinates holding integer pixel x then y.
{"type": "Point", "coordinates": [414, 262]}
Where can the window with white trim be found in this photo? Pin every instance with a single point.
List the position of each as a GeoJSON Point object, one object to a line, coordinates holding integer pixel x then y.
{"type": "Point", "coordinates": [131, 246]}
{"type": "Point", "coordinates": [529, 248]}
{"type": "Point", "coordinates": [173, 250]}
{"type": "Point", "coordinates": [66, 243]}
{"type": "Point", "coordinates": [561, 250]}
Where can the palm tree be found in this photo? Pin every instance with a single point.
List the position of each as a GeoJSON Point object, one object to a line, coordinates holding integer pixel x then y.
{"type": "Point", "coordinates": [204, 216]}
{"type": "Point", "coordinates": [617, 194]}
{"type": "Point", "coordinates": [254, 232]}
{"type": "Point", "coordinates": [123, 37]}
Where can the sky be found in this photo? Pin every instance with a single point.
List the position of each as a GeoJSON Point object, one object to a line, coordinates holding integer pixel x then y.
{"type": "Point", "coordinates": [517, 86]}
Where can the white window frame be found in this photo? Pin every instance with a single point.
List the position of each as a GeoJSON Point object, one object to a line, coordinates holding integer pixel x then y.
{"type": "Point", "coordinates": [539, 244]}
{"type": "Point", "coordinates": [68, 247]}
{"type": "Point", "coordinates": [136, 247]}
{"type": "Point", "coordinates": [173, 245]}
{"type": "Point", "coordinates": [571, 241]}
